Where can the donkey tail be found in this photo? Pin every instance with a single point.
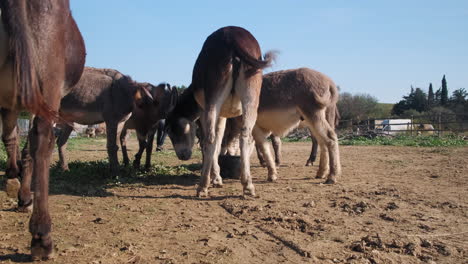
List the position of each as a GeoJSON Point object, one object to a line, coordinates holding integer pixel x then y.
{"type": "Point", "coordinates": [255, 63]}
{"type": "Point", "coordinates": [24, 66]}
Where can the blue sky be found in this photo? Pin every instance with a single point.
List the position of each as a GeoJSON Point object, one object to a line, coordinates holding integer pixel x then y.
{"type": "Point", "coordinates": [375, 47]}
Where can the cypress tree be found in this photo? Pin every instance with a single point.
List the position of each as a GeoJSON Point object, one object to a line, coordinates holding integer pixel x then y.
{"type": "Point", "coordinates": [430, 96]}
{"type": "Point", "coordinates": [444, 93]}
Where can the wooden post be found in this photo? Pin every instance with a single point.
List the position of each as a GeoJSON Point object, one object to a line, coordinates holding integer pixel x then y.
{"type": "Point", "coordinates": [440, 125]}
{"type": "Point", "coordinates": [411, 125]}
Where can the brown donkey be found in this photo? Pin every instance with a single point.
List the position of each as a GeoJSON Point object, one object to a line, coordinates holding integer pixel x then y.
{"type": "Point", "coordinates": [276, 141]}
{"type": "Point", "coordinates": [287, 97]}
{"type": "Point", "coordinates": [42, 55]}
{"type": "Point", "coordinates": [226, 82]}
{"type": "Point", "coordinates": [101, 95]}
{"type": "Point", "coordinates": [145, 116]}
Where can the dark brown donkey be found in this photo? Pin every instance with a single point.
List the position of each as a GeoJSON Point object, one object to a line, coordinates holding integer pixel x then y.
{"type": "Point", "coordinates": [144, 120]}
{"type": "Point", "coordinates": [42, 55]}
{"type": "Point", "coordinates": [101, 95]}
{"type": "Point", "coordinates": [226, 82]}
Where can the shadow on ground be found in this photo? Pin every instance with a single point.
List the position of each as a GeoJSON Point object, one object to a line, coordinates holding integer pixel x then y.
{"type": "Point", "coordinates": [93, 178]}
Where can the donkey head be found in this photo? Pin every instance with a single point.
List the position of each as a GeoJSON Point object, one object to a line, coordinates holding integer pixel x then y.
{"type": "Point", "coordinates": [181, 128]}
{"type": "Point", "coordinates": [155, 101]}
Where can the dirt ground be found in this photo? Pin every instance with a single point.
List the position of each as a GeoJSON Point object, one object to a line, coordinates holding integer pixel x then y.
{"type": "Point", "coordinates": [392, 205]}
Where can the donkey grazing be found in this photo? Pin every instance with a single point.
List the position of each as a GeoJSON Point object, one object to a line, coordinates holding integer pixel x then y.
{"type": "Point", "coordinates": [42, 55]}
{"type": "Point", "coordinates": [101, 95]}
{"type": "Point", "coordinates": [287, 98]}
{"type": "Point", "coordinates": [226, 82]}
{"type": "Point", "coordinates": [145, 118]}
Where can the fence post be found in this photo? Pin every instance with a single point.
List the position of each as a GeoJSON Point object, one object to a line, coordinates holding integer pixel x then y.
{"type": "Point", "coordinates": [412, 125]}
{"type": "Point", "coordinates": [440, 124]}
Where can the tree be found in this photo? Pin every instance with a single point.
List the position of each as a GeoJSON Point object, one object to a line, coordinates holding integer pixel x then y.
{"type": "Point", "coordinates": [419, 100]}
{"type": "Point", "coordinates": [444, 92]}
{"type": "Point", "coordinates": [430, 96]}
{"type": "Point", "coordinates": [400, 107]}
{"type": "Point", "coordinates": [416, 100]}
{"type": "Point", "coordinates": [459, 96]}
{"type": "Point", "coordinates": [357, 107]}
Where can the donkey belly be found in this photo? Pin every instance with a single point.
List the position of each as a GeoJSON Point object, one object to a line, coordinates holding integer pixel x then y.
{"type": "Point", "coordinates": [280, 121]}
{"type": "Point", "coordinates": [82, 117]}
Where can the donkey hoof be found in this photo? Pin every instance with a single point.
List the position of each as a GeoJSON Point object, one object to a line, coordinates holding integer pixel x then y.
{"type": "Point", "coordinates": [25, 207]}
{"type": "Point", "coordinates": [12, 188]}
{"type": "Point", "coordinates": [202, 192]}
{"type": "Point", "coordinates": [320, 176]}
{"type": "Point", "coordinates": [42, 248]}
{"type": "Point", "coordinates": [273, 178]}
{"type": "Point", "coordinates": [308, 163]}
{"type": "Point", "coordinates": [249, 191]}
{"type": "Point", "coordinates": [218, 182]}
{"type": "Point", "coordinates": [330, 181]}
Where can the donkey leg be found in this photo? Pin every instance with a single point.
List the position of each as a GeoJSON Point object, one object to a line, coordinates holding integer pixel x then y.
{"type": "Point", "coordinates": [112, 148]}
{"type": "Point", "coordinates": [328, 141]}
{"type": "Point", "coordinates": [62, 146]}
{"type": "Point", "coordinates": [260, 156]}
{"type": "Point", "coordinates": [161, 135]}
{"type": "Point", "coordinates": [141, 148]}
{"type": "Point", "coordinates": [208, 119]}
{"type": "Point", "coordinates": [216, 179]}
{"type": "Point", "coordinates": [10, 140]}
{"type": "Point", "coordinates": [324, 163]}
{"type": "Point", "coordinates": [149, 148]}
{"type": "Point", "coordinates": [262, 146]}
{"type": "Point", "coordinates": [249, 93]}
{"type": "Point", "coordinates": [276, 141]}
{"type": "Point", "coordinates": [25, 198]}
{"type": "Point", "coordinates": [41, 145]}
{"type": "Point", "coordinates": [123, 145]}
{"type": "Point", "coordinates": [313, 153]}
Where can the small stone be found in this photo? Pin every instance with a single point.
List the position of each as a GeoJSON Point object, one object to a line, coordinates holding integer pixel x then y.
{"type": "Point", "coordinates": [309, 204]}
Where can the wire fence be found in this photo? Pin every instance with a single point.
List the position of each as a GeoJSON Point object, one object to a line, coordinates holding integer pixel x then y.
{"type": "Point", "coordinates": [436, 124]}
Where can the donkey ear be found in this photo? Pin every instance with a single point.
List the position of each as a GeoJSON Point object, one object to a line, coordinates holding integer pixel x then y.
{"type": "Point", "coordinates": [147, 93]}
{"type": "Point", "coordinates": [140, 95]}
{"type": "Point", "coordinates": [174, 97]}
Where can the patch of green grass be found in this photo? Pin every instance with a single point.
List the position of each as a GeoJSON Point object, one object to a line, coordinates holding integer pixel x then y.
{"type": "Point", "coordinates": [420, 141]}
{"type": "Point", "coordinates": [74, 143]}
{"type": "Point", "coordinates": [93, 178]}
{"type": "Point", "coordinates": [3, 157]}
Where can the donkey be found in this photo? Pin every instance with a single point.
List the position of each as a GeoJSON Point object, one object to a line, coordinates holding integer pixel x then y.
{"type": "Point", "coordinates": [145, 118]}
{"type": "Point", "coordinates": [226, 82]}
{"type": "Point", "coordinates": [289, 97]}
{"type": "Point", "coordinates": [101, 95]}
{"type": "Point", "coordinates": [42, 55]}
{"type": "Point", "coordinates": [276, 142]}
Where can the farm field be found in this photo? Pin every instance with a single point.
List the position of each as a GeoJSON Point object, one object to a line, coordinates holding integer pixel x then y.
{"type": "Point", "coordinates": [391, 205]}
